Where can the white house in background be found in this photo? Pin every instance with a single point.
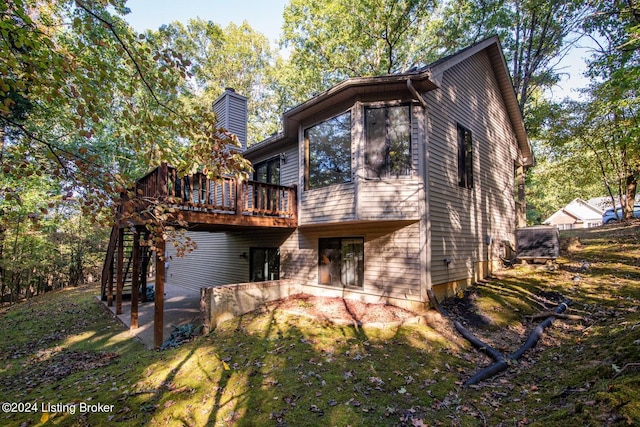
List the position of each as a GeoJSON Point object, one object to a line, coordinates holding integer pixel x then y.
{"type": "Point", "coordinates": [577, 214]}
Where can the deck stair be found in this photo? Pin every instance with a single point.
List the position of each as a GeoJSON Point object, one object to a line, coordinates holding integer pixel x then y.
{"type": "Point", "coordinates": [109, 267]}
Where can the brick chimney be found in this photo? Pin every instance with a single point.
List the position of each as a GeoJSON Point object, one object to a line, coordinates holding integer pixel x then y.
{"type": "Point", "coordinates": [231, 111]}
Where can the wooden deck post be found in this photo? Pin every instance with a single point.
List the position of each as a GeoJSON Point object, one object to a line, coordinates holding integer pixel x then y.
{"type": "Point", "coordinates": [293, 203]}
{"type": "Point", "coordinates": [135, 280]}
{"type": "Point", "coordinates": [239, 197]}
{"type": "Point", "coordinates": [120, 267]}
{"type": "Point", "coordinates": [143, 275]}
{"type": "Point", "coordinates": [158, 314]}
{"type": "Point", "coordinates": [108, 268]}
{"type": "Point", "coordinates": [110, 284]}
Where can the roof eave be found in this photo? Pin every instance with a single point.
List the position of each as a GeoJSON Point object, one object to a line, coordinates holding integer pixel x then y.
{"type": "Point", "coordinates": [425, 79]}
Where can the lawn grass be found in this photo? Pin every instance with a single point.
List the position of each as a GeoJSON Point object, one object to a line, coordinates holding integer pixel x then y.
{"type": "Point", "coordinates": [276, 369]}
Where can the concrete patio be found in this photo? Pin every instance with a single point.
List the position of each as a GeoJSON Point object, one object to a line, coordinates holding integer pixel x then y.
{"type": "Point", "coordinates": [181, 307]}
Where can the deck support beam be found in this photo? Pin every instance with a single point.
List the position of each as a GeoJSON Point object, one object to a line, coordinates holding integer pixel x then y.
{"type": "Point", "coordinates": [110, 277]}
{"type": "Point", "coordinates": [158, 314]}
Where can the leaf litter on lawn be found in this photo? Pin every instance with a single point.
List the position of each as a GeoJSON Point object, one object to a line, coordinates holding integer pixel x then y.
{"type": "Point", "coordinates": [277, 367]}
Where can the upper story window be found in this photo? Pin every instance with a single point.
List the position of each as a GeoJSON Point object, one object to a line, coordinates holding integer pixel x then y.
{"type": "Point", "coordinates": [388, 141]}
{"type": "Point", "coordinates": [328, 152]}
{"type": "Point", "coordinates": [465, 157]}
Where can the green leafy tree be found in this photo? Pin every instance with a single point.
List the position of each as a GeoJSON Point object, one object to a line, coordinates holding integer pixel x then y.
{"type": "Point", "coordinates": [87, 101]}
{"type": "Point", "coordinates": [91, 83]}
{"type": "Point", "coordinates": [612, 116]}
{"type": "Point", "coordinates": [237, 57]}
{"type": "Point", "coordinates": [331, 40]}
{"type": "Point", "coordinates": [86, 105]}
{"type": "Point", "coordinates": [535, 35]}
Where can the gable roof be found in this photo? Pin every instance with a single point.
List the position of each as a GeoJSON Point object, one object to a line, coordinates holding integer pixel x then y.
{"type": "Point", "coordinates": [420, 80]}
{"type": "Point", "coordinates": [578, 209]}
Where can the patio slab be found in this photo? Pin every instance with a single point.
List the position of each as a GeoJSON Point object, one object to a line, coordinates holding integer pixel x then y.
{"type": "Point", "coordinates": [181, 307]}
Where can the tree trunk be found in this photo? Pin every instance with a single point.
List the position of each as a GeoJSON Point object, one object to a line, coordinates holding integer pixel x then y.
{"type": "Point", "coordinates": [630, 195]}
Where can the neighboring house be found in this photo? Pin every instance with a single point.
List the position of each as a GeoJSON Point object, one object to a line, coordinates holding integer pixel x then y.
{"type": "Point", "coordinates": [577, 214]}
{"type": "Point", "coordinates": [404, 184]}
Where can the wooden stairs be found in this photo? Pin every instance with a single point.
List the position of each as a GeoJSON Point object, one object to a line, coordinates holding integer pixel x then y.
{"type": "Point", "coordinates": [109, 268]}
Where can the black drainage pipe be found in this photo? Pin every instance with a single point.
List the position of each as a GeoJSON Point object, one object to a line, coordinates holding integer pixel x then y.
{"type": "Point", "coordinates": [477, 343]}
{"type": "Point", "coordinates": [500, 363]}
{"type": "Point", "coordinates": [534, 337]}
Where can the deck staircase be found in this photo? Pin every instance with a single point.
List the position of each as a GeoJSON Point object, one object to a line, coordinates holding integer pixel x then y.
{"type": "Point", "coordinates": [109, 267]}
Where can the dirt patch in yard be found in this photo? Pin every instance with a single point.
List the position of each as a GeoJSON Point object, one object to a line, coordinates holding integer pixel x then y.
{"type": "Point", "coordinates": [465, 308]}
{"type": "Point", "coordinates": [344, 311]}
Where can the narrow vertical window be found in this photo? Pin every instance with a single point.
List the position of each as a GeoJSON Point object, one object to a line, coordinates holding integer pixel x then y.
{"type": "Point", "coordinates": [267, 197]}
{"type": "Point", "coordinates": [388, 141]}
{"type": "Point", "coordinates": [465, 158]}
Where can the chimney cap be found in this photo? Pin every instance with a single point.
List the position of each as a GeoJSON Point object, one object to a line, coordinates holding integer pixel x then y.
{"type": "Point", "coordinates": [229, 89]}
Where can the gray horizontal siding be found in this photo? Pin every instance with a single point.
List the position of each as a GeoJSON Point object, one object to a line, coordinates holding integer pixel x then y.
{"type": "Point", "coordinates": [217, 260]}
{"type": "Point", "coordinates": [392, 263]}
{"type": "Point", "coordinates": [461, 218]}
{"type": "Point", "coordinates": [334, 203]}
{"type": "Point", "coordinates": [396, 199]}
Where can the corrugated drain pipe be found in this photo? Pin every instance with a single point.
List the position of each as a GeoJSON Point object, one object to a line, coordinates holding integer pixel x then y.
{"type": "Point", "coordinates": [500, 363]}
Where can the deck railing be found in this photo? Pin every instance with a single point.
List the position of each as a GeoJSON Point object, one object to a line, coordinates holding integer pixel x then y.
{"type": "Point", "coordinates": [221, 195]}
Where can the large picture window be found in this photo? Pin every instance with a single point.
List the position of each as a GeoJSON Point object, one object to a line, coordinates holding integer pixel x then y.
{"type": "Point", "coordinates": [328, 152]}
{"type": "Point", "coordinates": [465, 158]}
{"type": "Point", "coordinates": [341, 261]}
{"type": "Point", "coordinates": [388, 141]}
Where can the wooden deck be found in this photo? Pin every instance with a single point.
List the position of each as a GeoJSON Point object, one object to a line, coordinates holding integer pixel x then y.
{"type": "Point", "coordinates": [209, 204]}
{"type": "Point", "coordinates": [196, 202]}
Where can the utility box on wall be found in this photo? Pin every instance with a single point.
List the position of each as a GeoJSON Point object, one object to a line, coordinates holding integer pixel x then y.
{"type": "Point", "coordinates": [540, 242]}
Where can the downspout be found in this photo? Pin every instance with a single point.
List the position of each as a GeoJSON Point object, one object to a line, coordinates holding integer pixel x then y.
{"type": "Point", "coordinates": [425, 221]}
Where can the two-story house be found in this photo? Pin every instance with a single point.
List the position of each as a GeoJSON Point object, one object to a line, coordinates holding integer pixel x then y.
{"type": "Point", "coordinates": [404, 184]}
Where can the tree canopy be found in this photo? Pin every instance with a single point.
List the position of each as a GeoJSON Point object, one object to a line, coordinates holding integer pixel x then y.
{"type": "Point", "coordinates": [87, 104]}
